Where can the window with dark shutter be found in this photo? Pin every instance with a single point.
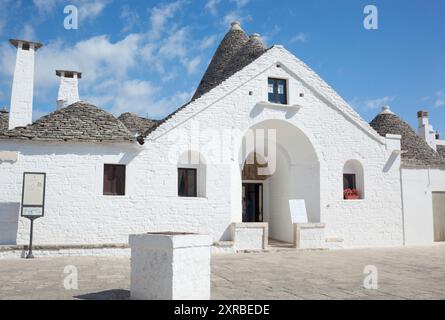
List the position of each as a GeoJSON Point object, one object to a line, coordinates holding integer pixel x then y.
{"type": "Point", "coordinates": [277, 90]}
{"type": "Point", "coordinates": [187, 182]}
{"type": "Point", "coordinates": [114, 180]}
{"type": "Point", "coordinates": [349, 181]}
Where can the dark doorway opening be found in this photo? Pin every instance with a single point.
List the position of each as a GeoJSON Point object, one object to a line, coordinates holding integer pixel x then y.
{"type": "Point", "coordinates": [252, 202]}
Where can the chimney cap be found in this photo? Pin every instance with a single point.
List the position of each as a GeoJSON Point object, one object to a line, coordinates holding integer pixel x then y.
{"type": "Point", "coordinates": [422, 114]}
{"type": "Point", "coordinates": [68, 74]}
{"type": "Point", "coordinates": [15, 43]}
{"type": "Point", "coordinates": [235, 25]}
{"type": "Point", "coordinates": [386, 110]}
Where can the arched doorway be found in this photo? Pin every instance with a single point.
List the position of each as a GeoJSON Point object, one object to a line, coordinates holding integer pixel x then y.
{"type": "Point", "coordinates": [281, 167]}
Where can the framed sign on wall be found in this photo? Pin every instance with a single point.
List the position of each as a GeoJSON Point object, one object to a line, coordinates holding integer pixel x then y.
{"type": "Point", "coordinates": [33, 201]}
{"type": "Point", "coordinates": [33, 194]}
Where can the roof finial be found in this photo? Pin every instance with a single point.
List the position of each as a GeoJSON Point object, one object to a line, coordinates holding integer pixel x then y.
{"type": "Point", "coordinates": [235, 25]}
{"type": "Point", "coordinates": [255, 35]}
{"type": "Point", "coordinates": [4, 110]}
{"type": "Point", "coordinates": [386, 110]}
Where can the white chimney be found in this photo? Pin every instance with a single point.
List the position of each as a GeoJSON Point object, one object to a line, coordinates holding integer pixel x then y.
{"type": "Point", "coordinates": [68, 90]}
{"type": "Point", "coordinates": [20, 113]}
{"type": "Point", "coordinates": [425, 130]}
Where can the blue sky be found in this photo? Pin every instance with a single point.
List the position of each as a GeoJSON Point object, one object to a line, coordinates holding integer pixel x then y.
{"type": "Point", "coordinates": [148, 56]}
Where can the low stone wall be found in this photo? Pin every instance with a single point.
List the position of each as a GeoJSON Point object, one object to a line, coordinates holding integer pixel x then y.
{"type": "Point", "coordinates": [99, 250]}
{"type": "Point", "coordinates": [309, 236]}
{"type": "Point", "coordinates": [250, 236]}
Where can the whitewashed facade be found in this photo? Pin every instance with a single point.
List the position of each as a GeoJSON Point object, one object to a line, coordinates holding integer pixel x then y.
{"type": "Point", "coordinates": [319, 137]}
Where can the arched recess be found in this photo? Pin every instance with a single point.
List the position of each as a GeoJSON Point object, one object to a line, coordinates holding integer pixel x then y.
{"type": "Point", "coordinates": [194, 160]}
{"type": "Point", "coordinates": [292, 172]}
{"type": "Point", "coordinates": [353, 178]}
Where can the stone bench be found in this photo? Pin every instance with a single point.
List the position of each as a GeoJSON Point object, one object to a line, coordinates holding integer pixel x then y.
{"type": "Point", "coordinates": [309, 236]}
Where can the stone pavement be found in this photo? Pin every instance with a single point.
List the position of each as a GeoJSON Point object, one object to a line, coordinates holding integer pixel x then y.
{"type": "Point", "coordinates": [403, 273]}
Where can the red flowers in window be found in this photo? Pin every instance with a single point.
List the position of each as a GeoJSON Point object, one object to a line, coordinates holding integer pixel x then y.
{"type": "Point", "coordinates": [351, 194]}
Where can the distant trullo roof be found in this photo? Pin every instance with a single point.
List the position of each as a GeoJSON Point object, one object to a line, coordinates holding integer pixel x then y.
{"type": "Point", "coordinates": [4, 120]}
{"type": "Point", "coordinates": [80, 121]}
{"type": "Point", "coordinates": [416, 152]}
{"type": "Point", "coordinates": [135, 123]}
{"type": "Point", "coordinates": [235, 51]}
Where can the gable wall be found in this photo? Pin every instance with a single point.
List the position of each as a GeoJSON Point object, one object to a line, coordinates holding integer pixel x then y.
{"type": "Point", "coordinates": [376, 220]}
{"type": "Point", "coordinates": [77, 212]}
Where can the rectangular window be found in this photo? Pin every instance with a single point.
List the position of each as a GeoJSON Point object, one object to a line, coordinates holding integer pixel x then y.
{"type": "Point", "coordinates": [187, 182]}
{"type": "Point", "coordinates": [114, 180]}
{"type": "Point", "coordinates": [349, 181]}
{"type": "Point", "coordinates": [277, 90]}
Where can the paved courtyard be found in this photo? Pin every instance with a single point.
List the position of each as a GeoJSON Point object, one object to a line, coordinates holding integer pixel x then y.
{"type": "Point", "coordinates": [403, 273]}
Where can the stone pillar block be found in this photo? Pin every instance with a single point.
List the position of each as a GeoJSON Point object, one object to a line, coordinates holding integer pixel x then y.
{"type": "Point", "coordinates": [250, 235]}
{"type": "Point", "coordinates": [309, 236]}
{"type": "Point", "coordinates": [170, 266]}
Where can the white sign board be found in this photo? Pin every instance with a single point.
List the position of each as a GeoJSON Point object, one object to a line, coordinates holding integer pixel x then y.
{"type": "Point", "coordinates": [33, 194]}
{"type": "Point", "coordinates": [298, 212]}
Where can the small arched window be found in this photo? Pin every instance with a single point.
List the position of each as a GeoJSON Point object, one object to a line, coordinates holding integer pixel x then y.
{"type": "Point", "coordinates": [191, 175]}
{"type": "Point", "coordinates": [353, 180]}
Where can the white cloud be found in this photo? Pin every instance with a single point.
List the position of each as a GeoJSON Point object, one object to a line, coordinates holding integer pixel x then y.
{"type": "Point", "coordinates": [207, 42]}
{"type": "Point", "coordinates": [90, 9]}
{"type": "Point", "coordinates": [439, 100]}
{"type": "Point", "coordinates": [28, 32]}
{"type": "Point", "coordinates": [159, 16]}
{"type": "Point", "coordinates": [236, 15]}
{"type": "Point", "coordinates": [130, 18]}
{"type": "Point", "coordinates": [110, 68]}
{"type": "Point", "coordinates": [45, 6]}
{"type": "Point", "coordinates": [97, 58]}
{"type": "Point", "coordinates": [300, 37]}
{"type": "Point", "coordinates": [241, 3]}
{"type": "Point", "coordinates": [378, 103]}
{"type": "Point", "coordinates": [211, 5]}
{"type": "Point", "coordinates": [192, 64]}
{"type": "Point", "coordinates": [6, 7]}
{"type": "Point", "coordinates": [371, 104]}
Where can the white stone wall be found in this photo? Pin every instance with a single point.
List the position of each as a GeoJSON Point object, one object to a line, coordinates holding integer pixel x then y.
{"type": "Point", "coordinates": [418, 186]}
{"type": "Point", "coordinates": [77, 212]}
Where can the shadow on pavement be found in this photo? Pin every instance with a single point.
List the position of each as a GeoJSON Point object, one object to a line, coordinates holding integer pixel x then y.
{"type": "Point", "coordinates": [114, 294]}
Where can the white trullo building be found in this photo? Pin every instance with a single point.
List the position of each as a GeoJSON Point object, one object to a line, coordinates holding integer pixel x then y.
{"type": "Point", "coordinates": [262, 129]}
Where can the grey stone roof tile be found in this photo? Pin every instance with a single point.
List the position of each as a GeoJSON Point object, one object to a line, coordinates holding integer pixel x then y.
{"type": "Point", "coordinates": [416, 152]}
{"type": "Point", "coordinates": [80, 121]}
{"type": "Point", "coordinates": [136, 124]}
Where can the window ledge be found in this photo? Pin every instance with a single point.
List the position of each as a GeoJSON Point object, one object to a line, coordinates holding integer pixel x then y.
{"type": "Point", "coordinates": [193, 198]}
{"type": "Point", "coordinates": [272, 105]}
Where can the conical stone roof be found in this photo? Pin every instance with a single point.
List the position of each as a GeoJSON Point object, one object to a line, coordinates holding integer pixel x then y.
{"type": "Point", "coordinates": [80, 121]}
{"type": "Point", "coordinates": [235, 51]}
{"type": "Point", "coordinates": [416, 152]}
